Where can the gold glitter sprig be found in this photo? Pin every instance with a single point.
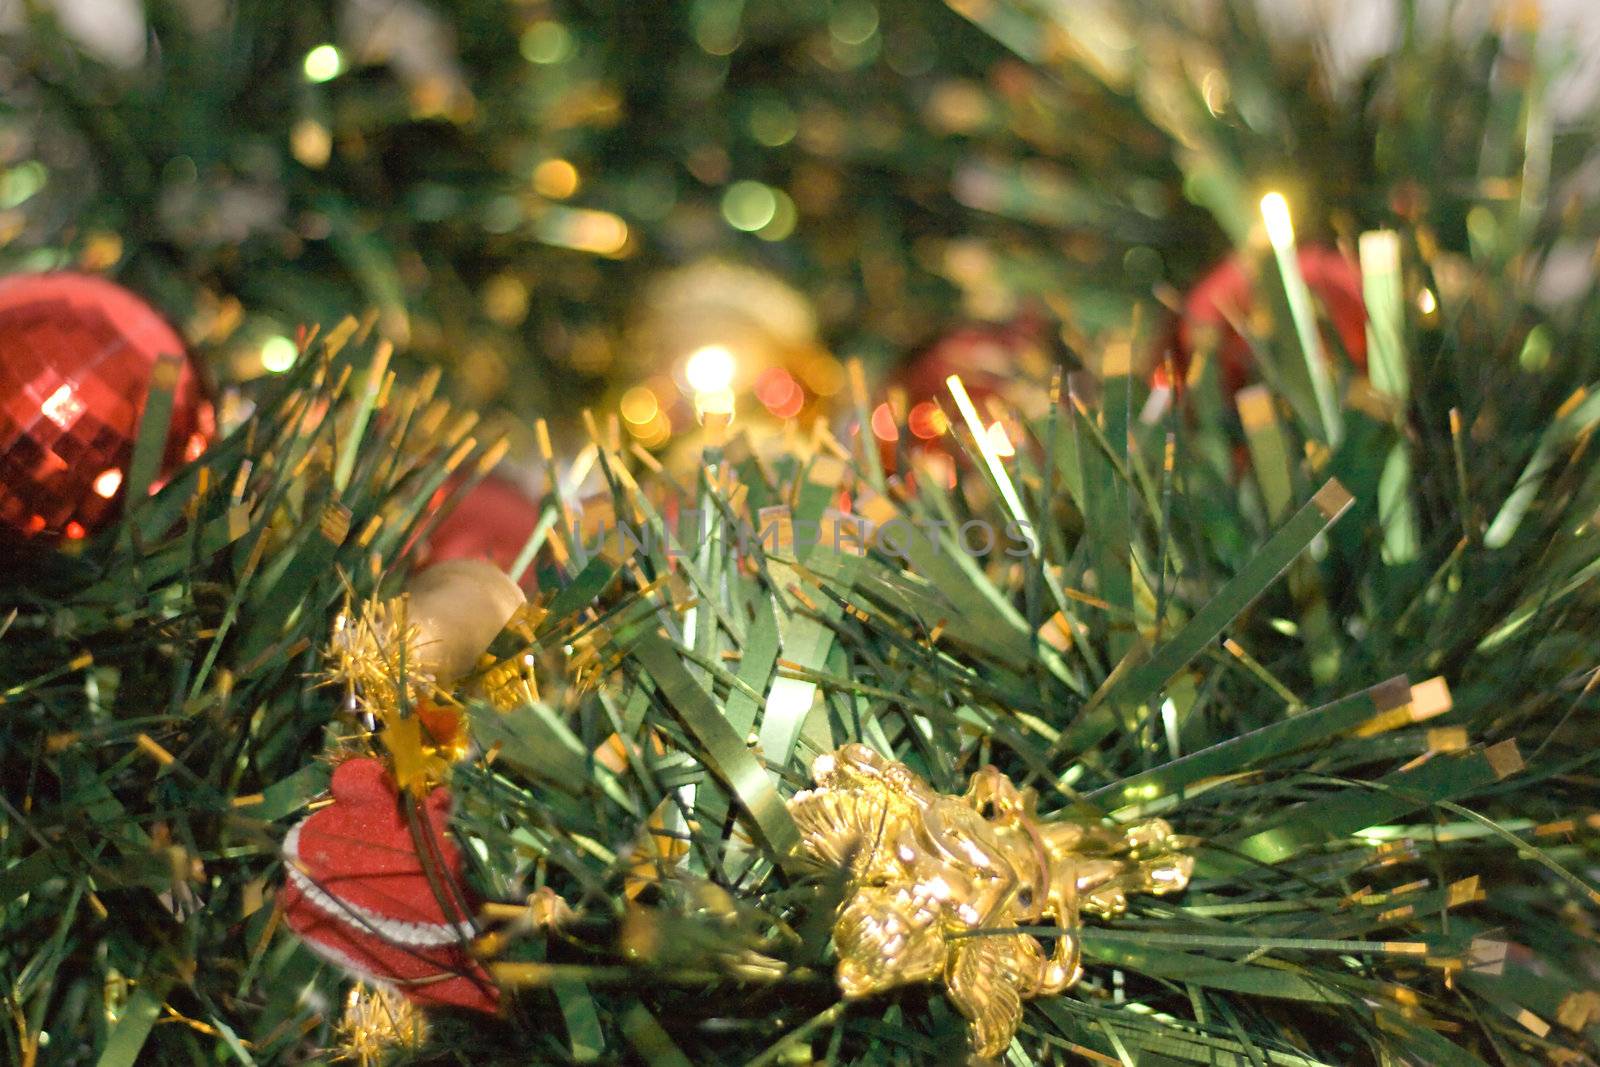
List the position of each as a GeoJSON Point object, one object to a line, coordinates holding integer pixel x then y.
{"type": "Point", "coordinates": [376, 1021]}
{"type": "Point", "coordinates": [374, 656]}
{"type": "Point", "coordinates": [401, 660]}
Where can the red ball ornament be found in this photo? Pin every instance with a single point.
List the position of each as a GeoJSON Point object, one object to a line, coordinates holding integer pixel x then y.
{"type": "Point", "coordinates": [1004, 360]}
{"type": "Point", "coordinates": [990, 358]}
{"type": "Point", "coordinates": [492, 522]}
{"type": "Point", "coordinates": [77, 356]}
{"type": "Point", "coordinates": [1228, 294]}
{"type": "Point", "coordinates": [380, 894]}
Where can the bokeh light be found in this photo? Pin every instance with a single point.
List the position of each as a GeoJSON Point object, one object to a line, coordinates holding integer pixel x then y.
{"type": "Point", "coordinates": [323, 63]}
{"type": "Point", "coordinates": [311, 143]}
{"type": "Point", "coordinates": [555, 178]}
{"type": "Point", "coordinates": [639, 406]}
{"type": "Point", "coordinates": [278, 354]}
{"type": "Point", "coordinates": [749, 205]}
{"type": "Point", "coordinates": [1000, 441]}
{"type": "Point", "coordinates": [883, 424]}
{"type": "Point", "coordinates": [583, 230]}
{"type": "Point", "coordinates": [1275, 213]}
{"type": "Point", "coordinates": [784, 217]}
{"type": "Point", "coordinates": [546, 42]}
{"type": "Point", "coordinates": [779, 393]}
{"type": "Point", "coordinates": [926, 421]}
{"type": "Point", "coordinates": [107, 482]}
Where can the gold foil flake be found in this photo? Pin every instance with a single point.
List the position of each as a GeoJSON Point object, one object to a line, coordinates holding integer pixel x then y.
{"type": "Point", "coordinates": [1504, 759]}
{"type": "Point", "coordinates": [1535, 1025]}
{"type": "Point", "coordinates": [544, 910]}
{"type": "Point", "coordinates": [152, 748]}
{"type": "Point", "coordinates": [1579, 1010]}
{"type": "Point", "coordinates": [928, 871]}
{"type": "Point", "coordinates": [656, 852]}
{"type": "Point", "coordinates": [1465, 891]}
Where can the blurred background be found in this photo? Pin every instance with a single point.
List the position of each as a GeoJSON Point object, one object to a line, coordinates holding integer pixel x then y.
{"type": "Point", "coordinates": [629, 205]}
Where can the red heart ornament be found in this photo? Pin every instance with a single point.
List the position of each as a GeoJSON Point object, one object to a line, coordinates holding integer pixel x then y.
{"type": "Point", "coordinates": [363, 895]}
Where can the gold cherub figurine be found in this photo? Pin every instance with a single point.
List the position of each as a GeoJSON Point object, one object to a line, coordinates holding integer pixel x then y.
{"type": "Point", "coordinates": [936, 882]}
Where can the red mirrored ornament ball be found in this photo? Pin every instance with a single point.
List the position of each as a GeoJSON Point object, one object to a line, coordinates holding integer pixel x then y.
{"type": "Point", "coordinates": [78, 355]}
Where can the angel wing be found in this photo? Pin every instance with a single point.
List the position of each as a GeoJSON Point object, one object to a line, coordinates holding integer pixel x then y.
{"type": "Point", "coordinates": [860, 802]}
{"type": "Point", "coordinates": [847, 829]}
{"type": "Point", "coordinates": [987, 980]}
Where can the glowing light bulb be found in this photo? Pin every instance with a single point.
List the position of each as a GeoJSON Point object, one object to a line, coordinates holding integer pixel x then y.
{"type": "Point", "coordinates": [1275, 213]}
{"type": "Point", "coordinates": [278, 354]}
{"type": "Point", "coordinates": [1000, 441]}
{"type": "Point", "coordinates": [323, 63]}
{"type": "Point", "coordinates": [107, 482]}
{"type": "Point", "coordinates": [710, 369]}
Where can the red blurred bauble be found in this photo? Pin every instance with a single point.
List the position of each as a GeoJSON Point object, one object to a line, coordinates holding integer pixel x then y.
{"type": "Point", "coordinates": [1228, 294]}
{"type": "Point", "coordinates": [990, 357]}
{"type": "Point", "coordinates": [492, 522]}
{"type": "Point", "coordinates": [77, 354]}
{"type": "Point", "coordinates": [1004, 360]}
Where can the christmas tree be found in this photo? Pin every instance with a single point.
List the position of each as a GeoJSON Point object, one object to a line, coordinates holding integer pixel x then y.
{"type": "Point", "coordinates": [1193, 664]}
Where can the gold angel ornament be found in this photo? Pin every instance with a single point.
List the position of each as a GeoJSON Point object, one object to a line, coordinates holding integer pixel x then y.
{"type": "Point", "coordinates": [936, 882]}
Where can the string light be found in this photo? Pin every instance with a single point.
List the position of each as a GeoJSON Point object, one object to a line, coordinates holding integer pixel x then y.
{"type": "Point", "coordinates": [1280, 228]}
{"type": "Point", "coordinates": [710, 369]}
{"type": "Point", "coordinates": [107, 482]}
{"type": "Point", "coordinates": [714, 402]}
